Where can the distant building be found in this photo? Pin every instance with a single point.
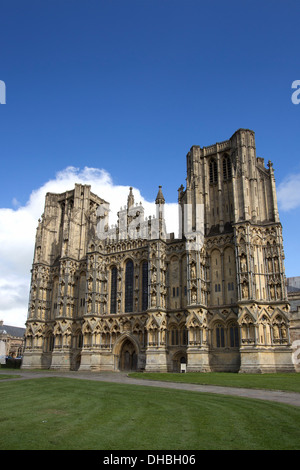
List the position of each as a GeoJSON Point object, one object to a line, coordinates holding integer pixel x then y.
{"type": "Point", "coordinates": [132, 297]}
{"type": "Point", "coordinates": [12, 340]}
{"type": "Point", "coordinates": [293, 284]}
{"type": "Point", "coordinates": [293, 289]}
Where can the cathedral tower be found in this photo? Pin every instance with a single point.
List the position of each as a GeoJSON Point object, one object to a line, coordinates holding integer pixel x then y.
{"type": "Point", "coordinates": [243, 241]}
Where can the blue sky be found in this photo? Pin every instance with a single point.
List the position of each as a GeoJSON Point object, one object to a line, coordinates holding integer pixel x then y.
{"type": "Point", "coordinates": [128, 86]}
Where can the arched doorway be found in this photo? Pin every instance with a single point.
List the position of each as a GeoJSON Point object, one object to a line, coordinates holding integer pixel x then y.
{"type": "Point", "coordinates": [76, 360]}
{"type": "Point", "coordinates": [178, 359]}
{"type": "Point", "coordinates": [128, 356]}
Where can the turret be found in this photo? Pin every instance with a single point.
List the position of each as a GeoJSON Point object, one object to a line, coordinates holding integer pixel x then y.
{"type": "Point", "coordinates": [160, 202]}
{"type": "Point", "coordinates": [130, 199]}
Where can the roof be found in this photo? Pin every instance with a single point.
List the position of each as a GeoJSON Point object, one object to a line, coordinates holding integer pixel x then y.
{"type": "Point", "coordinates": [15, 331]}
{"type": "Point", "coordinates": [293, 289]}
{"type": "Point", "coordinates": [160, 198]}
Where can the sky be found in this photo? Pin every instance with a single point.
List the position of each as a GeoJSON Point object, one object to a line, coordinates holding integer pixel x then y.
{"type": "Point", "coordinates": [114, 93]}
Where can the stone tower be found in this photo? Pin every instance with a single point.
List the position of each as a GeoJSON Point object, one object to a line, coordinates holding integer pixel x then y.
{"type": "Point", "coordinates": [243, 241]}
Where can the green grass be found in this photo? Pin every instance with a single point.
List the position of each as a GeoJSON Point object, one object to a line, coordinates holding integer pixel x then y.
{"type": "Point", "coordinates": [8, 376]}
{"type": "Point", "coordinates": [60, 413]}
{"type": "Point", "coordinates": [287, 382]}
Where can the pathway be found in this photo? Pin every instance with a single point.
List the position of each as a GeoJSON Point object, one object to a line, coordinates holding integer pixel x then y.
{"type": "Point", "coordinates": [290, 398]}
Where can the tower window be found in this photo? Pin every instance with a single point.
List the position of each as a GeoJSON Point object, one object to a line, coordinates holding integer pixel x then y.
{"type": "Point", "coordinates": [129, 287]}
{"type": "Point", "coordinates": [213, 171]}
{"type": "Point", "coordinates": [113, 292]}
{"type": "Point", "coordinates": [227, 173]}
{"type": "Point", "coordinates": [145, 286]}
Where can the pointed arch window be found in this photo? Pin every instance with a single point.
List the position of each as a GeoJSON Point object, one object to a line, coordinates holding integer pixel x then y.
{"type": "Point", "coordinates": [220, 336]}
{"type": "Point", "coordinates": [54, 297]}
{"type": "Point", "coordinates": [174, 336]}
{"type": "Point", "coordinates": [213, 171]}
{"type": "Point", "coordinates": [227, 173]}
{"type": "Point", "coordinates": [234, 336]}
{"type": "Point", "coordinates": [49, 343]}
{"type": "Point", "coordinates": [82, 293]}
{"type": "Point", "coordinates": [113, 290]}
{"type": "Point", "coordinates": [129, 286]}
{"type": "Point", "coordinates": [184, 336]}
{"type": "Point", "coordinates": [144, 286]}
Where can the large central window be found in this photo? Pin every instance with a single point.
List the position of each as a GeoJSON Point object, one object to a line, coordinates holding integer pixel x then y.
{"type": "Point", "coordinates": [129, 286]}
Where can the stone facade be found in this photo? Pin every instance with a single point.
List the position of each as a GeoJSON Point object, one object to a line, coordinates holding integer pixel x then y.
{"type": "Point", "coordinates": [133, 297]}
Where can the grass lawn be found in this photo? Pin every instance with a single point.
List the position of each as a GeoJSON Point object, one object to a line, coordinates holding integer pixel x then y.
{"type": "Point", "coordinates": [288, 382]}
{"type": "Point", "coordinates": [8, 376]}
{"type": "Point", "coordinates": [60, 413]}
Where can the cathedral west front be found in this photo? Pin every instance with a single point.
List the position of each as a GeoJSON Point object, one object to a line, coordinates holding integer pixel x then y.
{"type": "Point", "coordinates": [135, 297]}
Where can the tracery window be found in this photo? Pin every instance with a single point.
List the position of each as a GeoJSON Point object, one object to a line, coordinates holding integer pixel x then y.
{"type": "Point", "coordinates": [113, 290]}
{"type": "Point", "coordinates": [178, 336]}
{"type": "Point", "coordinates": [145, 285]}
{"type": "Point", "coordinates": [129, 286]}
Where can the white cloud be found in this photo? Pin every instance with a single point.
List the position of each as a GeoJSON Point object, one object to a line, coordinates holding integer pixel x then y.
{"type": "Point", "coordinates": [18, 228]}
{"type": "Point", "coordinates": [288, 193]}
